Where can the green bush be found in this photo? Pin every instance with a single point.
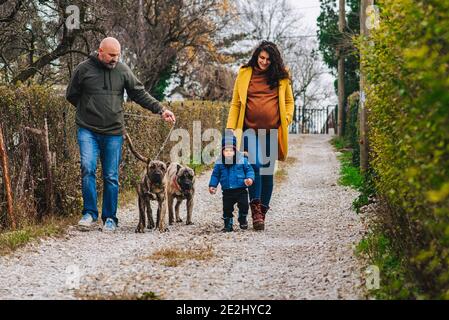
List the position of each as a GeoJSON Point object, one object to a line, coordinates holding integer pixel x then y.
{"type": "Point", "coordinates": [352, 127]}
{"type": "Point", "coordinates": [28, 106]}
{"type": "Point", "coordinates": [377, 247]}
{"type": "Point", "coordinates": [406, 64]}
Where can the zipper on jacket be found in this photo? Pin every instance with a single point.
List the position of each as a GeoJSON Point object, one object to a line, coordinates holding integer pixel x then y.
{"type": "Point", "coordinates": [105, 86]}
{"type": "Point", "coordinates": [110, 80]}
{"type": "Point", "coordinates": [229, 174]}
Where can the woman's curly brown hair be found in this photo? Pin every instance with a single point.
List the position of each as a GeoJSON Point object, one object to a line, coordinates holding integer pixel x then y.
{"type": "Point", "coordinates": [276, 71]}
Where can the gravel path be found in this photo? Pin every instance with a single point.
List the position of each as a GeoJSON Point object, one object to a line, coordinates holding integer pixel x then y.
{"type": "Point", "coordinates": [306, 251]}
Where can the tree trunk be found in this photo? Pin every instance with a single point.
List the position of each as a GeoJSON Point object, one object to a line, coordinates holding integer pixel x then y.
{"type": "Point", "coordinates": [341, 70]}
{"type": "Point", "coordinates": [6, 179]}
{"type": "Point", "coordinates": [43, 61]}
{"type": "Point", "coordinates": [364, 143]}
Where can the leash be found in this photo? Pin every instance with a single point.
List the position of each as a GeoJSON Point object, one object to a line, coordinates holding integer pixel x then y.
{"type": "Point", "coordinates": [154, 117]}
{"type": "Point", "coordinates": [142, 116]}
{"type": "Point", "coordinates": [165, 142]}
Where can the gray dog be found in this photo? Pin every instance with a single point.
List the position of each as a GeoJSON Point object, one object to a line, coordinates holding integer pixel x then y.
{"type": "Point", "coordinates": [180, 185]}
{"type": "Point", "coordinates": [151, 187]}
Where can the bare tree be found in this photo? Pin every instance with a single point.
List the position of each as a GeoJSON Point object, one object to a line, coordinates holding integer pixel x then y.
{"type": "Point", "coordinates": [211, 82]}
{"type": "Point", "coordinates": [35, 38]}
{"type": "Point", "coordinates": [157, 33]}
{"type": "Point", "coordinates": [307, 71]}
{"type": "Point", "coordinates": [272, 20]}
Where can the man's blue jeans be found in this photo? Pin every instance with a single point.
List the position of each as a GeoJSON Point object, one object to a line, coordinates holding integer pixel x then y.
{"type": "Point", "coordinates": [109, 148]}
{"type": "Point", "coordinates": [262, 155]}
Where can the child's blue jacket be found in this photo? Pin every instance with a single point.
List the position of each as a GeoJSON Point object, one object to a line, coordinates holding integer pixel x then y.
{"type": "Point", "coordinates": [231, 176]}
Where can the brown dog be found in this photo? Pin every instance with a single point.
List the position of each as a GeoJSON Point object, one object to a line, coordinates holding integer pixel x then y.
{"type": "Point", "coordinates": [180, 185]}
{"type": "Point", "coordinates": [151, 187]}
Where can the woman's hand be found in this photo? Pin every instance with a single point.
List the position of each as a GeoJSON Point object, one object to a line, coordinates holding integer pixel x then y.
{"type": "Point", "coordinates": [212, 190]}
{"type": "Point", "coordinates": [248, 182]}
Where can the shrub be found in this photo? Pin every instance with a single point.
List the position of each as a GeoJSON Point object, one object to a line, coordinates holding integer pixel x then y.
{"type": "Point", "coordinates": [406, 64]}
{"type": "Point", "coordinates": [352, 127]}
{"type": "Point", "coordinates": [28, 106]}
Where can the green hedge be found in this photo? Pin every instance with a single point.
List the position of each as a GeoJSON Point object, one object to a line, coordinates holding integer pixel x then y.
{"type": "Point", "coordinates": [29, 105]}
{"type": "Point", "coordinates": [407, 65]}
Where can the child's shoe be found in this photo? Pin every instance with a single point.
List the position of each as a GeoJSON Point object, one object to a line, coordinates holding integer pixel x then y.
{"type": "Point", "coordinates": [243, 221]}
{"type": "Point", "coordinates": [228, 222]}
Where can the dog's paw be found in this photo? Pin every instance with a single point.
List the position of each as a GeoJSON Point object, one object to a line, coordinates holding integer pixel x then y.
{"type": "Point", "coordinates": [140, 229]}
{"type": "Point", "coordinates": [179, 220]}
{"type": "Point", "coordinates": [188, 223]}
{"type": "Point", "coordinates": [170, 223]}
{"type": "Point", "coordinates": [163, 229]}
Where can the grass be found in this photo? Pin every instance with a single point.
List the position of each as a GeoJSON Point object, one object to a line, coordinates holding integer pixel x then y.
{"type": "Point", "coordinates": [290, 161]}
{"type": "Point", "coordinates": [148, 295]}
{"type": "Point", "coordinates": [173, 257]}
{"type": "Point", "coordinates": [50, 227]}
{"type": "Point", "coordinates": [376, 248]}
{"type": "Point", "coordinates": [281, 173]}
{"type": "Point", "coordinates": [200, 168]}
{"type": "Point", "coordinates": [349, 174]}
{"type": "Point", "coordinates": [339, 142]}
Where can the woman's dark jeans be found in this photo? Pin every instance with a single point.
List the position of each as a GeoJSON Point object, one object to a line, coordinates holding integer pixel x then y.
{"type": "Point", "coordinates": [262, 151]}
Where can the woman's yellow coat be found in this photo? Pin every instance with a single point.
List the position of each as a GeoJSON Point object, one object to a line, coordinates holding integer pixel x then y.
{"type": "Point", "coordinates": [236, 115]}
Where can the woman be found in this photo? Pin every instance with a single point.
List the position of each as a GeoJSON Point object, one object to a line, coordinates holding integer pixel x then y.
{"type": "Point", "coordinates": [261, 110]}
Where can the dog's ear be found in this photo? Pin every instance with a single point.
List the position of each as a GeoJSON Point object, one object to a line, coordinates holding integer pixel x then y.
{"type": "Point", "coordinates": [167, 164]}
{"type": "Point", "coordinates": [178, 167]}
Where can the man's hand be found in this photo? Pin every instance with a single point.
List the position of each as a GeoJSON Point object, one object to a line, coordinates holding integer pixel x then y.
{"type": "Point", "coordinates": [168, 116]}
{"type": "Point", "coordinates": [248, 182]}
{"type": "Point", "coordinates": [212, 190]}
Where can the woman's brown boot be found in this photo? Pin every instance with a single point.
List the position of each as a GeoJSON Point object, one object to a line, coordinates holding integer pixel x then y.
{"type": "Point", "coordinates": [256, 212]}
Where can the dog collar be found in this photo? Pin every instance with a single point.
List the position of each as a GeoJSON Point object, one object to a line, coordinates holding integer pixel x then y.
{"type": "Point", "coordinates": [175, 183]}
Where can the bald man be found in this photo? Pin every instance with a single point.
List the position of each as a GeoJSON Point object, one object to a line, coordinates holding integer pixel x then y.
{"type": "Point", "coordinates": [96, 90]}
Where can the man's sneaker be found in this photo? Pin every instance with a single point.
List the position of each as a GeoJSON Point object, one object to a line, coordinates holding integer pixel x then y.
{"type": "Point", "coordinates": [109, 225]}
{"type": "Point", "coordinates": [86, 222]}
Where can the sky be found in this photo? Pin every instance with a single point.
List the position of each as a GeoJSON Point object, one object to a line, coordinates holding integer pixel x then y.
{"type": "Point", "coordinates": [310, 10]}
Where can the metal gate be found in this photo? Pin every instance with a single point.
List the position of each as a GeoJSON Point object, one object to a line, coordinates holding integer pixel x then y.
{"type": "Point", "coordinates": [313, 120]}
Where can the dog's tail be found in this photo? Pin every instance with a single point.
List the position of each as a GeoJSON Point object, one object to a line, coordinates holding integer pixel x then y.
{"type": "Point", "coordinates": [133, 150]}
